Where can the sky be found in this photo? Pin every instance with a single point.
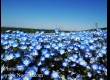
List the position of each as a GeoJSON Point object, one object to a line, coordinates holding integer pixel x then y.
{"type": "Point", "coordinates": [49, 14]}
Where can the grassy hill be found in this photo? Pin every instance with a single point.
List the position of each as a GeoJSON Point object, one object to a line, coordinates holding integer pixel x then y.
{"type": "Point", "coordinates": [3, 29]}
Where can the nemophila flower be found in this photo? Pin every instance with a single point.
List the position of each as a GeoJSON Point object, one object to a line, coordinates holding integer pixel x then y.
{"type": "Point", "coordinates": [23, 38]}
{"type": "Point", "coordinates": [73, 64]}
{"type": "Point", "coordinates": [83, 63]}
{"type": "Point", "coordinates": [80, 58]}
{"type": "Point", "coordinates": [19, 67]}
{"type": "Point", "coordinates": [53, 45]}
{"type": "Point", "coordinates": [103, 51]}
{"type": "Point", "coordinates": [47, 46]}
{"type": "Point", "coordinates": [71, 58]}
{"type": "Point", "coordinates": [89, 74]}
{"type": "Point", "coordinates": [31, 47]}
{"type": "Point", "coordinates": [11, 75]}
{"type": "Point", "coordinates": [75, 56]}
{"type": "Point", "coordinates": [60, 44]}
{"type": "Point", "coordinates": [44, 51]}
{"type": "Point", "coordinates": [82, 46]}
{"type": "Point", "coordinates": [68, 49]}
{"type": "Point", "coordinates": [22, 47]}
{"type": "Point", "coordinates": [100, 54]}
{"type": "Point", "coordinates": [75, 48]}
{"type": "Point", "coordinates": [4, 42]}
{"type": "Point", "coordinates": [34, 53]}
{"type": "Point", "coordinates": [91, 40]}
{"type": "Point", "coordinates": [70, 46]}
{"type": "Point", "coordinates": [2, 55]}
{"type": "Point", "coordinates": [38, 47]}
{"type": "Point", "coordinates": [2, 76]}
{"type": "Point", "coordinates": [94, 66]}
{"type": "Point", "coordinates": [42, 69]}
{"type": "Point", "coordinates": [26, 61]}
{"type": "Point", "coordinates": [30, 72]}
{"type": "Point", "coordinates": [47, 55]}
{"type": "Point", "coordinates": [101, 78]}
{"type": "Point", "coordinates": [56, 47]}
{"type": "Point", "coordinates": [100, 67]}
{"type": "Point", "coordinates": [92, 59]}
{"type": "Point", "coordinates": [86, 56]}
{"type": "Point", "coordinates": [2, 68]}
{"type": "Point", "coordinates": [6, 46]}
{"type": "Point", "coordinates": [46, 72]}
{"type": "Point", "coordinates": [9, 56]}
{"type": "Point", "coordinates": [39, 63]}
{"type": "Point", "coordinates": [26, 77]}
{"type": "Point", "coordinates": [91, 47]}
{"type": "Point", "coordinates": [55, 75]}
{"type": "Point", "coordinates": [42, 58]}
{"type": "Point", "coordinates": [98, 71]}
{"type": "Point", "coordinates": [104, 68]}
{"type": "Point", "coordinates": [62, 51]}
{"type": "Point", "coordinates": [17, 54]}
{"type": "Point", "coordinates": [64, 63]}
{"type": "Point", "coordinates": [59, 38]}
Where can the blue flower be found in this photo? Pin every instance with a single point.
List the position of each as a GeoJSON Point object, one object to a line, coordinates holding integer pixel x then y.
{"type": "Point", "coordinates": [44, 51]}
{"type": "Point", "coordinates": [103, 51]}
{"type": "Point", "coordinates": [46, 72]}
{"type": "Point", "coordinates": [75, 48]}
{"type": "Point", "coordinates": [47, 55]}
{"type": "Point", "coordinates": [75, 56]}
{"type": "Point", "coordinates": [83, 63]}
{"type": "Point", "coordinates": [8, 56]}
{"type": "Point", "coordinates": [89, 74]}
{"type": "Point", "coordinates": [82, 46]}
{"type": "Point", "coordinates": [35, 68]}
{"type": "Point", "coordinates": [23, 47]}
{"type": "Point", "coordinates": [64, 63]}
{"type": "Point", "coordinates": [100, 54]}
{"type": "Point", "coordinates": [7, 46]}
{"type": "Point", "coordinates": [55, 75]}
{"type": "Point", "coordinates": [25, 77]}
{"type": "Point", "coordinates": [17, 54]}
{"type": "Point", "coordinates": [38, 47]}
{"type": "Point", "coordinates": [100, 67]}
{"type": "Point", "coordinates": [26, 61]}
{"type": "Point", "coordinates": [30, 72]}
{"type": "Point", "coordinates": [34, 53]}
{"type": "Point", "coordinates": [11, 75]}
{"type": "Point", "coordinates": [94, 66]}
{"type": "Point", "coordinates": [42, 58]}
{"type": "Point", "coordinates": [53, 45]}
{"type": "Point", "coordinates": [74, 64]}
{"type": "Point", "coordinates": [39, 63]}
{"type": "Point", "coordinates": [101, 78]}
{"type": "Point", "coordinates": [2, 76]}
{"type": "Point", "coordinates": [19, 67]}
{"type": "Point", "coordinates": [2, 55]}
{"type": "Point", "coordinates": [15, 44]}
{"type": "Point", "coordinates": [4, 42]}
{"type": "Point", "coordinates": [42, 69]}
{"type": "Point", "coordinates": [62, 51]}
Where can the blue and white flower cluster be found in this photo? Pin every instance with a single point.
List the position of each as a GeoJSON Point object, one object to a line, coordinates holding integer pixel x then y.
{"type": "Point", "coordinates": [58, 56]}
